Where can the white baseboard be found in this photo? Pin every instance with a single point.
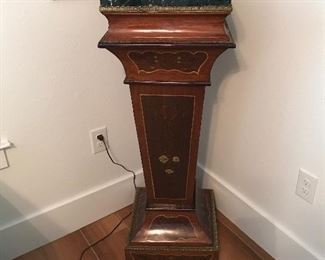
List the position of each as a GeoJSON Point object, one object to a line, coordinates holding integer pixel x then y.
{"type": "Point", "coordinates": [51, 223]}
{"type": "Point", "coordinates": [58, 220]}
{"type": "Point", "coordinates": [274, 238]}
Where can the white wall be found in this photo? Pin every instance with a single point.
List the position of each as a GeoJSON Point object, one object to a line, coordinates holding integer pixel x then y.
{"type": "Point", "coordinates": [266, 120]}
{"type": "Point", "coordinates": [56, 85]}
{"type": "Point", "coordinates": [260, 126]}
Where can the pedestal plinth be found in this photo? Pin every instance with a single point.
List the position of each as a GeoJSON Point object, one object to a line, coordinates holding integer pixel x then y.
{"type": "Point", "coordinates": [167, 50]}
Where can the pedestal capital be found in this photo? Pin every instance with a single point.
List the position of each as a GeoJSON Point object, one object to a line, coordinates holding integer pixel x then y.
{"type": "Point", "coordinates": [163, 45]}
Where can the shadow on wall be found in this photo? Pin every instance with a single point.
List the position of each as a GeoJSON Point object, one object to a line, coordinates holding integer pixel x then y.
{"type": "Point", "coordinates": [225, 66]}
{"type": "Point", "coordinates": [19, 234]}
{"type": "Point", "coordinates": [243, 215]}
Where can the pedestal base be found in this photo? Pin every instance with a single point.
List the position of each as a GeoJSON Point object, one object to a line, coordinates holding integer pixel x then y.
{"type": "Point", "coordinates": [174, 234]}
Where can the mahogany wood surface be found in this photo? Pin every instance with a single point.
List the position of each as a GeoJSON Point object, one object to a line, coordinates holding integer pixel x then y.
{"type": "Point", "coordinates": [174, 234]}
{"type": "Point", "coordinates": [168, 57]}
{"type": "Point", "coordinates": [234, 244]}
{"type": "Point", "coordinates": [169, 128]}
{"type": "Point", "coordinates": [161, 64]}
{"type": "Point", "coordinates": [185, 27]}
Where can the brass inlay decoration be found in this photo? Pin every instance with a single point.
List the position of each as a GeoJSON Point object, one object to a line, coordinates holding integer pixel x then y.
{"type": "Point", "coordinates": [147, 145]}
{"type": "Point", "coordinates": [176, 159]}
{"type": "Point", "coordinates": [186, 62]}
{"type": "Point", "coordinates": [163, 159]}
{"type": "Point", "coordinates": [169, 171]}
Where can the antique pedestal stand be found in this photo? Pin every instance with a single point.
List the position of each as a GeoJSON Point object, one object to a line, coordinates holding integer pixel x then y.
{"type": "Point", "coordinates": [167, 53]}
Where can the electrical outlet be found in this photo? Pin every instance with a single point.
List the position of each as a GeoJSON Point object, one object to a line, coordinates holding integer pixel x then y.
{"type": "Point", "coordinates": [97, 146]}
{"type": "Point", "coordinates": [306, 185]}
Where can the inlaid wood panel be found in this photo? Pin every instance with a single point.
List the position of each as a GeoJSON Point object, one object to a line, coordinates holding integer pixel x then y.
{"type": "Point", "coordinates": [181, 64]}
{"type": "Point", "coordinates": [173, 234]}
{"type": "Point", "coordinates": [168, 117]}
{"type": "Point", "coordinates": [168, 123]}
{"type": "Point", "coordinates": [182, 61]}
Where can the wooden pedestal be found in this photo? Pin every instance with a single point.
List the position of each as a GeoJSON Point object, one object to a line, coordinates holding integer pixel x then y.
{"type": "Point", "coordinates": [174, 235]}
{"type": "Point", "coordinates": [167, 54]}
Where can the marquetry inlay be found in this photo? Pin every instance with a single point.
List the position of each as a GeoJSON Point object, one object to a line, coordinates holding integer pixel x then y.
{"type": "Point", "coordinates": [163, 159]}
{"type": "Point", "coordinates": [176, 159]}
{"type": "Point", "coordinates": [168, 122]}
{"type": "Point", "coordinates": [182, 61]}
{"type": "Point", "coordinates": [169, 171]}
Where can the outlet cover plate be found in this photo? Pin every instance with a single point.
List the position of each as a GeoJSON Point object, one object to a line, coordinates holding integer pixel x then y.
{"type": "Point", "coordinates": [306, 185]}
{"type": "Point", "coordinates": [96, 145]}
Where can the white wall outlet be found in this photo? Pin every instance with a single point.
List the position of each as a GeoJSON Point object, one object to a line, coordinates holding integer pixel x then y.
{"type": "Point", "coordinates": [4, 144]}
{"type": "Point", "coordinates": [97, 146]}
{"type": "Point", "coordinates": [306, 185]}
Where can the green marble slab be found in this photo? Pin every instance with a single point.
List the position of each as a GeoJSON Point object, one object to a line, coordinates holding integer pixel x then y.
{"type": "Point", "coordinates": [164, 3]}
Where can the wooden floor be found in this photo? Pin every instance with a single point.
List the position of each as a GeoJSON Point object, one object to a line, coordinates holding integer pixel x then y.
{"type": "Point", "coordinates": [234, 244]}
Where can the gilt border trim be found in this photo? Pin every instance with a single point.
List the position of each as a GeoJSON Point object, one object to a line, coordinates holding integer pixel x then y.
{"type": "Point", "coordinates": [214, 9]}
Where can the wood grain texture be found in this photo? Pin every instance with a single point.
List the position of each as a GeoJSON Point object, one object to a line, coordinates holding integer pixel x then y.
{"type": "Point", "coordinates": [164, 27]}
{"type": "Point", "coordinates": [112, 247]}
{"type": "Point", "coordinates": [174, 234]}
{"type": "Point", "coordinates": [231, 228]}
{"type": "Point", "coordinates": [234, 244]}
{"type": "Point", "coordinates": [167, 71]}
{"type": "Point", "coordinates": [170, 141]}
{"type": "Point", "coordinates": [68, 247]}
{"type": "Point", "coordinates": [181, 61]}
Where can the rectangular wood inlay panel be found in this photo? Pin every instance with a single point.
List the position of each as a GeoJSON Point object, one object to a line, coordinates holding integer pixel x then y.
{"type": "Point", "coordinates": [168, 126]}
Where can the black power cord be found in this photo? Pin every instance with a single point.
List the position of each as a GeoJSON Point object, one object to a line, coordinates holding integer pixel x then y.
{"type": "Point", "coordinates": [102, 139]}
{"type": "Point", "coordinates": [102, 239]}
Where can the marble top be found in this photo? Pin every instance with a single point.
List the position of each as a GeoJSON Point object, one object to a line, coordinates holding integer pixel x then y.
{"type": "Point", "coordinates": [163, 3]}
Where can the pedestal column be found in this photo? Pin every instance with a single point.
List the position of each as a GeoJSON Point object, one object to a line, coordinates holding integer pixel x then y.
{"type": "Point", "coordinates": [168, 53]}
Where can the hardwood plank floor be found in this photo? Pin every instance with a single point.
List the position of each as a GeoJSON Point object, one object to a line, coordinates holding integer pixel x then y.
{"type": "Point", "coordinates": [66, 248]}
{"type": "Point", "coordinates": [234, 244]}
